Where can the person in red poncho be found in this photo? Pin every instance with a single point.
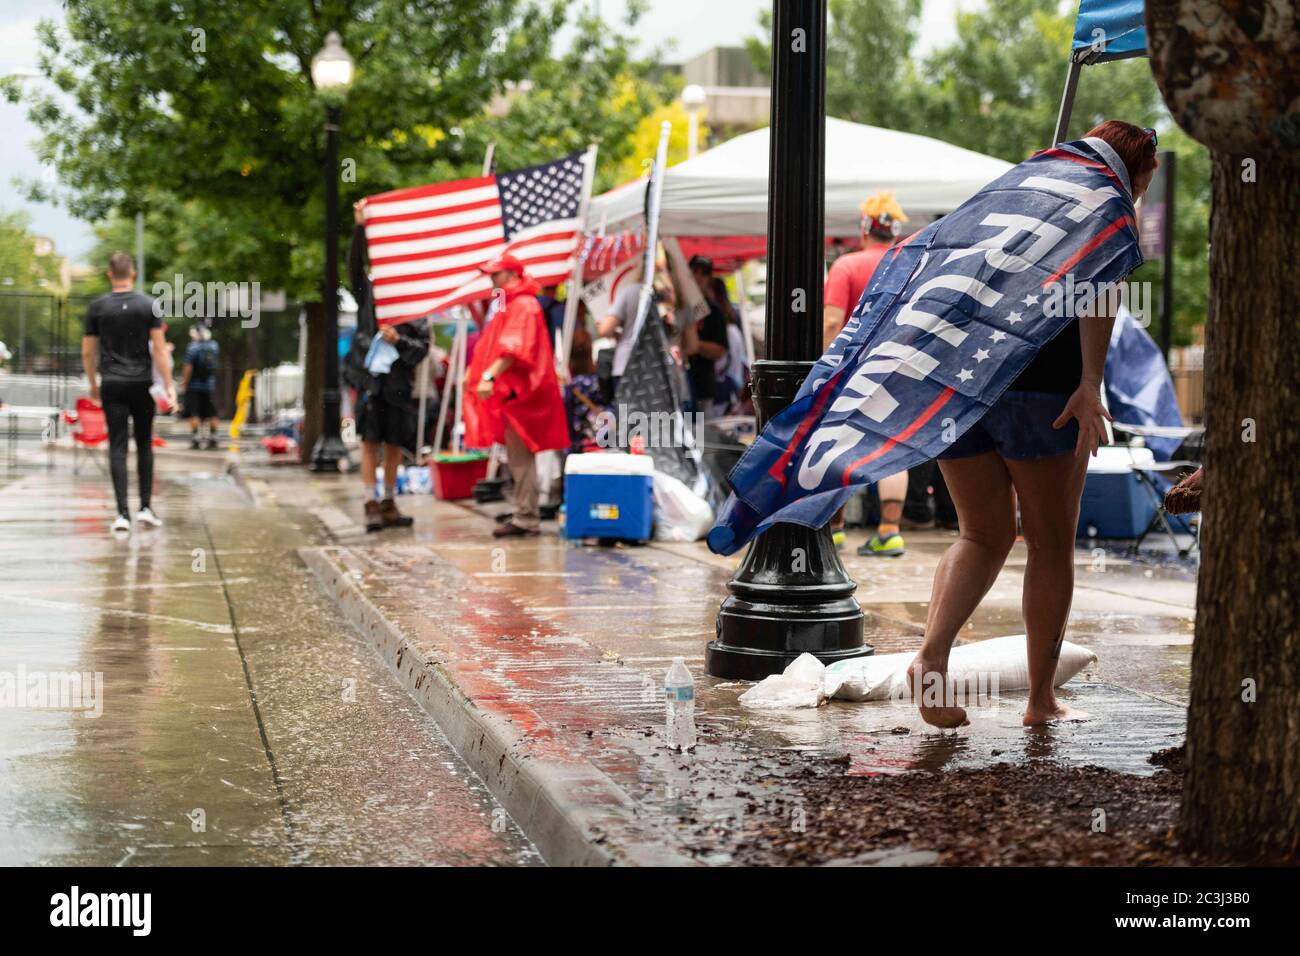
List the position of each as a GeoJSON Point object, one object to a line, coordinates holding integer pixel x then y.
{"type": "Point", "coordinates": [513, 396]}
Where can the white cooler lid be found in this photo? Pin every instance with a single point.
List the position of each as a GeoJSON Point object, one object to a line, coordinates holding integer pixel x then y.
{"type": "Point", "coordinates": [609, 463]}
{"type": "Point", "coordinates": [1119, 459]}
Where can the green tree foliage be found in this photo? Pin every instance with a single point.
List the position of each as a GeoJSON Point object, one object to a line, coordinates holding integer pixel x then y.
{"type": "Point", "coordinates": [597, 91]}
{"type": "Point", "coordinates": [996, 89]}
{"type": "Point", "coordinates": [868, 53]}
{"type": "Point", "coordinates": [204, 114]}
{"type": "Point", "coordinates": [21, 269]}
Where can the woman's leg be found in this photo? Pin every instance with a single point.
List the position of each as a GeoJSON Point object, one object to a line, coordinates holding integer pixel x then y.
{"type": "Point", "coordinates": [1049, 490]}
{"type": "Point", "coordinates": [981, 490]}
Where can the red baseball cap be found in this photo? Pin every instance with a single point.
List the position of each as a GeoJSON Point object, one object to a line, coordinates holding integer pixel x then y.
{"type": "Point", "coordinates": [506, 263]}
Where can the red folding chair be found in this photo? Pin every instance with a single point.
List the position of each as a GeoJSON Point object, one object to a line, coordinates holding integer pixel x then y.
{"type": "Point", "coordinates": [89, 431]}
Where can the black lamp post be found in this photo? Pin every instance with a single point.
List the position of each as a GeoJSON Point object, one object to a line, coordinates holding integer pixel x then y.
{"type": "Point", "coordinates": [791, 594]}
{"type": "Point", "coordinates": [331, 71]}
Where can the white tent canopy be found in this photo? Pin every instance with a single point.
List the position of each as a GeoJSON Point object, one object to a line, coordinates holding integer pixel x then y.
{"type": "Point", "coordinates": [723, 191]}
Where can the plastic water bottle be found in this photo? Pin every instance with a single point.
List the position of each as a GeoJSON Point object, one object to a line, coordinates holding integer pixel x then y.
{"type": "Point", "coordinates": [679, 695]}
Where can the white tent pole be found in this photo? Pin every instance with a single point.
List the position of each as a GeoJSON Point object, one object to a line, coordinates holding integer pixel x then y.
{"type": "Point", "coordinates": [447, 385]}
{"type": "Point", "coordinates": [744, 317]}
{"type": "Point", "coordinates": [458, 432]}
{"type": "Point", "coordinates": [652, 227]}
{"type": "Point", "coordinates": [574, 293]}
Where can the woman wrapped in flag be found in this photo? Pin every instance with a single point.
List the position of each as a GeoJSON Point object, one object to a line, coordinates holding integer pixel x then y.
{"type": "Point", "coordinates": [980, 341]}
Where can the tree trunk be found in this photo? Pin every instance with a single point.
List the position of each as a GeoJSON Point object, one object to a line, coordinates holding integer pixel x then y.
{"type": "Point", "coordinates": [1242, 794]}
{"type": "Point", "coordinates": [313, 380]}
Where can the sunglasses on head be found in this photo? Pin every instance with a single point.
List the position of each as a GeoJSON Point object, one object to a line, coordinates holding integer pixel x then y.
{"type": "Point", "coordinates": [1155, 140]}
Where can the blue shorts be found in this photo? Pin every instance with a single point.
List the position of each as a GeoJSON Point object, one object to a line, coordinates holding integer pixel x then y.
{"type": "Point", "coordinates": [1019, 426]}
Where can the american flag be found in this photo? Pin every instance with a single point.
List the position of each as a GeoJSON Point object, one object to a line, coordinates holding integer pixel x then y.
{"type": "Point", "coordinates": [426, 243]}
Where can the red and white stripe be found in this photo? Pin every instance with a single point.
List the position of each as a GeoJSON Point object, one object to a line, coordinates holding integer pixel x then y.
{"type": "Point", "coordinates": [426, 245]}
{"type": "Point", "coordinates": [545, 251]}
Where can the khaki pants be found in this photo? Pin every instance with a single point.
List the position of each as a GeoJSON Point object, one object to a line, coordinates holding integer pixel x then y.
{"type": "Point", "coordinates": [523, 469]}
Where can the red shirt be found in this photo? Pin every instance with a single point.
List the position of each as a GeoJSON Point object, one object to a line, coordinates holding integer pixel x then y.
{"type": "Point", "coordinates": [848, 278]}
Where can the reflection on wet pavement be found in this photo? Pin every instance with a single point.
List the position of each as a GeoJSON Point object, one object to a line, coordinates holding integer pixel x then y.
{"type": "Point", "coordinates": [242, 721]}
{"type": "Point", "coordinates": [582, 635]}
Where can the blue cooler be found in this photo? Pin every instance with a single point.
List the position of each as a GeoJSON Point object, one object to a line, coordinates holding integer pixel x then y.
{"type": "Point", "coordinates": [1115, 505]}
{"type": "Point", "coordinates": [609, 495]}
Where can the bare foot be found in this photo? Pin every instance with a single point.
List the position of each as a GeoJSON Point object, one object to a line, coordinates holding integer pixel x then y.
{"type": "Point", "coordinates": [927, 681]}
{"type": "Point", "coordinates": [1054, 713]}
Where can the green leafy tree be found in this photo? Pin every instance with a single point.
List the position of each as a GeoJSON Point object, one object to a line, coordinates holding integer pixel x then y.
{"type": "Point", "coordinates": [207, 112]}
{"type": "Point", "coordinates": [21, 269]}
{"type": "Point", "coordinates": [597, 91]}
{"type": "Point", "coordinates": [28, 285]}
{"type": "Point", "coordinates": [215, 103]}
{"type": "Point", "coordinates": [868, 53]}
{"type": "Point", "coordinates": [996, 89]}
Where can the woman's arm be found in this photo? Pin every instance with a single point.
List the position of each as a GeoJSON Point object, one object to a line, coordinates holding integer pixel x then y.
{"type": "Point", "coordinates": [1085, 404]}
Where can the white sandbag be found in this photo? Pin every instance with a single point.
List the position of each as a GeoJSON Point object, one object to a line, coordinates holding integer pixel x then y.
{"type": "Point", "coordinates": [996, 665]}
{"type": "Point", "coordinates": [680, 514]}
{"type": "Point", "coordinates": [802, 684]}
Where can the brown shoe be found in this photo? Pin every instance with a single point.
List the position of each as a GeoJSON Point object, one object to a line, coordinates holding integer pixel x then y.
{"type": "Point", "coordinates": [508, 529]}
{"type": "Point", "coordinates": [393, 518]}
{"type": "Point", "coordinates": [374, 522]}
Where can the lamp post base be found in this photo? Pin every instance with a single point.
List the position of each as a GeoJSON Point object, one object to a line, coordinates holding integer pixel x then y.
{"type": "Point", "coordinates": [329, 455]}
{"type": "Point", "coordinates": [791, 595]}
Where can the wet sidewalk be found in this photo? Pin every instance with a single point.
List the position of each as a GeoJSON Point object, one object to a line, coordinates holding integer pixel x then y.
{"type": "Point", "coordinates": [240, 720]}
{"type": "Point", "coordinates": [557, 652]}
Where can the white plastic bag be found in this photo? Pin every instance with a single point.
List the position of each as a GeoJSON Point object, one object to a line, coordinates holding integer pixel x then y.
{"type": "Point", "coordinates": [972, 665]}
{"type": "Point", "coordinates": [680, 514]}
{"type": "Point", "coordinates": [802, 684]}
{"type": "Point", "coordinates": [992, 666]}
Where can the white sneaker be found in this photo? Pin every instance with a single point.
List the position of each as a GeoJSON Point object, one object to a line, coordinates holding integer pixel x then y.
{"type": "Point", "coordinates": [121, 525]}
{"type": "Point", "coordinates": [146, 516]}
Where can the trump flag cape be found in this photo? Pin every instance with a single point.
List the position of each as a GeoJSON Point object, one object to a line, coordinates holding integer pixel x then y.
{"type": "Point", "coordinates": [948, 321]}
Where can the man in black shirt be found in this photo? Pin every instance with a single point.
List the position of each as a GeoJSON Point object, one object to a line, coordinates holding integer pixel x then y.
{"type": "Point", "coordinates": [123, 343]}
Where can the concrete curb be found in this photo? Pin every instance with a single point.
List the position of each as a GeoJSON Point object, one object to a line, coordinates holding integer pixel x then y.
{"type": "Point", "coordinates": [567, 807]}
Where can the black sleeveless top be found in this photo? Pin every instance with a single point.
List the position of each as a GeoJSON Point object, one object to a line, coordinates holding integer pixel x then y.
{"type": "Point", "coordinates": [1057, 367]}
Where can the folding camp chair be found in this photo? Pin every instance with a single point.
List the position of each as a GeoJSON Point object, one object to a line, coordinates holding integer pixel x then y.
{"type": "Point", "coordinates": [1172, 471]}
{"type": "Point", "coordinates": [89, 431]}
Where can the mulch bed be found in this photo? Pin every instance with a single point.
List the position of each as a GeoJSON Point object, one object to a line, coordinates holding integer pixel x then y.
{"type": "Point", "coordinates": [1039, 814]}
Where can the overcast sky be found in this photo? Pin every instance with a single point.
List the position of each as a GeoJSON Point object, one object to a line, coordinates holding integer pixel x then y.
{"type": "Point", "coordinates": [694, 25]}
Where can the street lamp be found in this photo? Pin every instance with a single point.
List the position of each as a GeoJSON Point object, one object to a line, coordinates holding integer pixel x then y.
{"type": "Point", "coordinates": [791, 595]}
{"type": "Point", "coordinates": [693, 98]}
{"type": "Point", "coordinates": [331, 73]}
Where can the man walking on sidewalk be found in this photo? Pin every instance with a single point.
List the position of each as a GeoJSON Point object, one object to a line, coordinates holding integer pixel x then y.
{"type": "Point", "coordinates": [120, 327]}
{"type": "Point", "coordinates": [199, 384]}
{"type": "Point", "coordinates": [513, 396]}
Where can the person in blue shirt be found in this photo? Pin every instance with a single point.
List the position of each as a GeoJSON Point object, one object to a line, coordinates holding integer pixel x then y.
{"type": "Point", "coordinates": [552, 308]}
{"type": "Point", "coordinates": [199, 383]}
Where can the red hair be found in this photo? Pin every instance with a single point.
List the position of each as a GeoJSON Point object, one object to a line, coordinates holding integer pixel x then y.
{"type": "Point", "coordinates": [1135, 146]}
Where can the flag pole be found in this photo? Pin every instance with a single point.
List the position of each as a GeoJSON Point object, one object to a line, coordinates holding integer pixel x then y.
{"type": "Point", "coordinates": [447, 384]}
{"type": "Point", "coordinates": [574, 293]}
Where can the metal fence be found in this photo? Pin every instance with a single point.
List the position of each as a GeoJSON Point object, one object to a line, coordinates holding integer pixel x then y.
{"type": "Point", "coordinates": [42, 333]}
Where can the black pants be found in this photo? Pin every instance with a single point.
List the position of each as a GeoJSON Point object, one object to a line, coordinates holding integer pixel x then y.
{"type": "Point", "coordinates": [918, 505]}
{"type": "Point", "coordinates": [129, 402]}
